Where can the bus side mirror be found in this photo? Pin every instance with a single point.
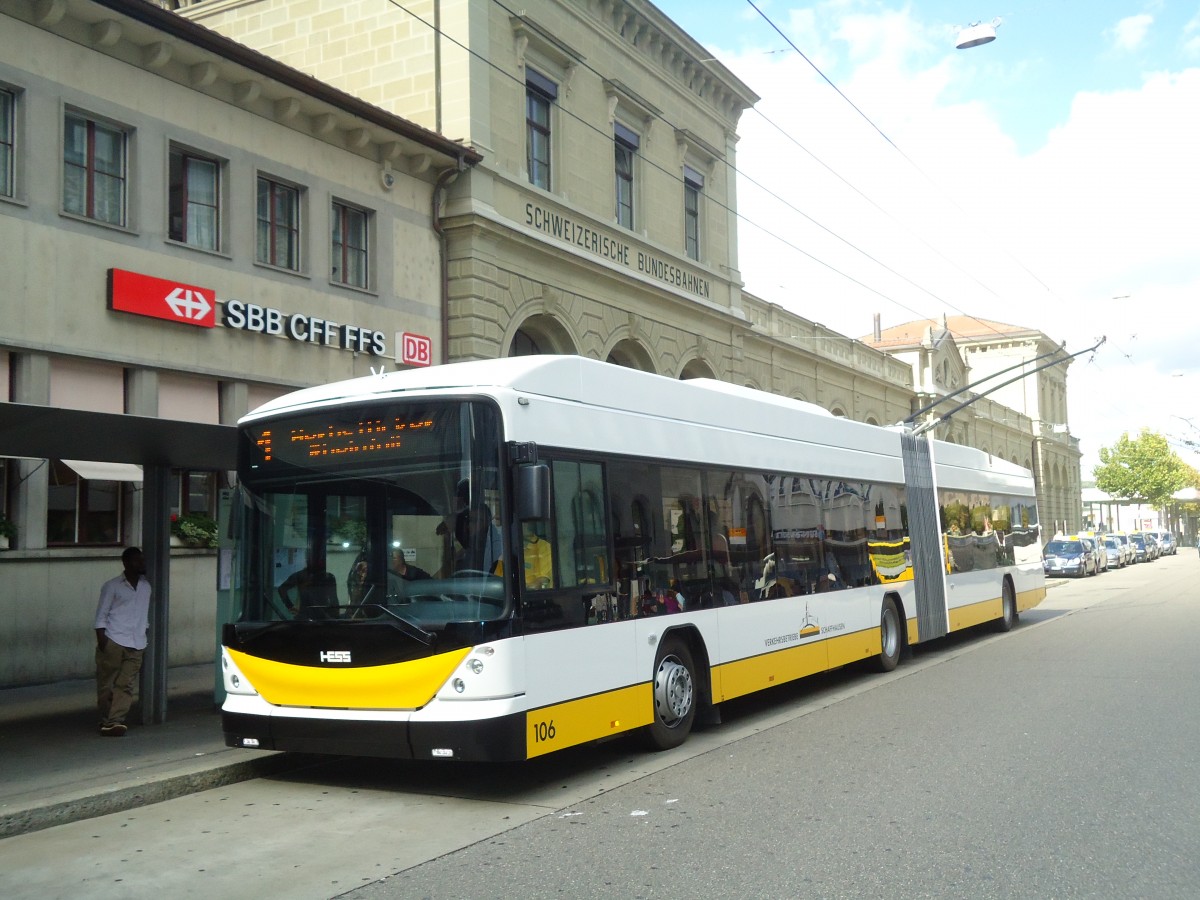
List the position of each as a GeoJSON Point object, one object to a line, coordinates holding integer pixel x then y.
{"type": "Point", "coordinates": [533, 492]}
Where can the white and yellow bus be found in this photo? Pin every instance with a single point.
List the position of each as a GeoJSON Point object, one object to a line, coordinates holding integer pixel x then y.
{"type": "Point", "coordinates": [494, 560]}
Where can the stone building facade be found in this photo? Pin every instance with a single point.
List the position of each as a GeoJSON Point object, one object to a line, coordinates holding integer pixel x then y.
{"type": "Point", "coordinates": [602, 219]}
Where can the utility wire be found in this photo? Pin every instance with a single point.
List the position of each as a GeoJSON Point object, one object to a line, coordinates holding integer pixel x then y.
{"type": "Point", "coordinates": [880, 131]}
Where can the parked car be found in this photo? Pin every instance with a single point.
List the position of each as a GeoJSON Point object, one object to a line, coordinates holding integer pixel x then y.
{"type": "Point", "coordinates": [1142, 548]}
{"type": "Point", "coordinates": [1068, 556]}
{"type": "Point", "coordinates": [1097, 548]}
{"type": "Point", "coordinates": [1127, 553]}
{"type": "Point", "coordinates": [1115, 552]}
{"type": "Point", "coordinates": [1153, 545]}
{"type": "Point", "coordinates": [1169, 545]}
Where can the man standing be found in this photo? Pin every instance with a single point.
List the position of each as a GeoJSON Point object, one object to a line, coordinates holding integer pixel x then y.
{"type": "Point", "coordinates": [122, 620]}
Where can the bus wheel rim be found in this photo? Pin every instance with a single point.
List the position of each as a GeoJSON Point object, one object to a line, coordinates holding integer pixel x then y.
{"type": "Point", "coordinates": [673, 691]}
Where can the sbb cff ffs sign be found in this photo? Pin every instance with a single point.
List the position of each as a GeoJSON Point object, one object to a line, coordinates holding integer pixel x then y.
{"type": "Point", "coordinates": [416, 350]}
{"type": "Point", "coordinates": [158, 298]}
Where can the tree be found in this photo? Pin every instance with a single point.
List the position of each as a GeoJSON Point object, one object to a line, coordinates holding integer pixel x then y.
{"type": "Point", "coordinates": [1143, 468]}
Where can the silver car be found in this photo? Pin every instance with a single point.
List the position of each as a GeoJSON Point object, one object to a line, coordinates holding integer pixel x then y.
{"type": "Point", "coordinates": [1128, 555]}
{"type": "Point", "coordinates": [1097, 548]}
{"type": "Point", "coordinates": [1167, 542]}
{"type": "Point", "coordinates": [1115, 553]}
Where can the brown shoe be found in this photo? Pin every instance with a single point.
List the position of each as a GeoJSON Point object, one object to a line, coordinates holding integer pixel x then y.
{"type": "Point", "coordinates": [115, 729]}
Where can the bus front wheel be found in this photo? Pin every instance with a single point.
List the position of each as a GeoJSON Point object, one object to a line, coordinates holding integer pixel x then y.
{"type": "Point", "coordinates": [674, 696]}
{"type": "Point", "coordinates": [890, 639]}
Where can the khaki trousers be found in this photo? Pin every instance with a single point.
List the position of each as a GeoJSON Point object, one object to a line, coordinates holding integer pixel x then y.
{"type": "Point", "coordinates": [117, 671]}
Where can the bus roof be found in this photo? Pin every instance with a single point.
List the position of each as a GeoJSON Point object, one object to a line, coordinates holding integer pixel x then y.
{"type": "Point", "coordinates": [606, 387]}
{"type": "Point", "coordinates": [562, 377]}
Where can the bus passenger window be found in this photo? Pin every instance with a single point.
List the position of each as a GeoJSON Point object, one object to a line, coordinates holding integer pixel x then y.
{"type": "Point", "coordinates": [580, 533]}
{"type": "Point", "coordinates": [538, 555]}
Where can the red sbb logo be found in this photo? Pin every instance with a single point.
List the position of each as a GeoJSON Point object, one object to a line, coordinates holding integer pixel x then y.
{"type": "Point", "coordinates": [158, 298]}
{"type": "Point", "coordinates": [416, 350]}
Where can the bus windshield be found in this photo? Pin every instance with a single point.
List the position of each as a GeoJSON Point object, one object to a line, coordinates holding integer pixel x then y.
{"type": "Point", "coordinates": [387, 512]}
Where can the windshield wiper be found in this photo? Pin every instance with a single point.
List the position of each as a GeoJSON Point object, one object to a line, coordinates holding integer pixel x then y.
{"type": "Point", "coordinates": [405, 624]}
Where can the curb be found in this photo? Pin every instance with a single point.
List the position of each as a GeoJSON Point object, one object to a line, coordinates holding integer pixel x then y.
{"type": "Point", "coordinates": [124, 798]}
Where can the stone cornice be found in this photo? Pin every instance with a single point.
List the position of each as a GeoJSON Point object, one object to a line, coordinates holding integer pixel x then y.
{"type": "Point", "coordinates": [649, 33]}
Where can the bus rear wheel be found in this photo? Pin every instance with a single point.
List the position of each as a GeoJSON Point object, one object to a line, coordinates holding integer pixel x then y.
{"type": "Point", "coordinates": [674, 696]}
{"type": "Point", "coordinates": [890, 639]}
{"type": "Point", "coordinates": [1008, 609]}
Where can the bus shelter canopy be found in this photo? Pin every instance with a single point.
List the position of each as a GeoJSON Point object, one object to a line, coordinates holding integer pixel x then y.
{"type": "Point", "coordinates": [47, 432]}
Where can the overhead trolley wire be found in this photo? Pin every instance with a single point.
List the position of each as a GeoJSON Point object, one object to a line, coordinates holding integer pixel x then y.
{"type": "Point", "coordinates": [890, 143]}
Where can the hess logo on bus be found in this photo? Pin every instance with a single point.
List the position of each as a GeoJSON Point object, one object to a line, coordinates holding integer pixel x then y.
{"type": "Point", "coordinates": [335, 656]}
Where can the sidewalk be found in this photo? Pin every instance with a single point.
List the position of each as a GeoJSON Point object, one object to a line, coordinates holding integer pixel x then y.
{"type": "Point", "coordinates": [56, 768]}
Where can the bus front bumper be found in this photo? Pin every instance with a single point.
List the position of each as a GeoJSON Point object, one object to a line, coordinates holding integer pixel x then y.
{"type": "Point", "coordinates": [484, 740]}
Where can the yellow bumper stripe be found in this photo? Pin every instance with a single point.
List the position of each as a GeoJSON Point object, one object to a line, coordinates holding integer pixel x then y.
{"type": "Point", "coordinates": [406, 685]}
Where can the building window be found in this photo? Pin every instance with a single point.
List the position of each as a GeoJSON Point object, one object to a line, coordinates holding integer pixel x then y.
{"type": "Point", "coordinates": [8, 132]}
{"type": "Point", "coordinates": [81, 510]}
{"type": "Point", "coordinates": [693, 187]}
{"type": "Point", "coordinates": [194, 200]}
{"type": "Point", "coordinates": [525, 344]}
{"type": "Point", "coordinates": [625, 143]}
{"type": "Point", "coordinates": [278, 232]}
{"type": "Point", "coordinates": [194, 493]}
{"type": "Point", "coordinates": [94, 170]}
{"type": "Point", "coordinates": [350, 238]}
{"type": "Point", "coordinates": [540, 93]}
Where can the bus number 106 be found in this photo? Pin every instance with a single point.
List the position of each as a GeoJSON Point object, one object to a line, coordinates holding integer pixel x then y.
{"type": "Point", "coordinates": [543, 731]}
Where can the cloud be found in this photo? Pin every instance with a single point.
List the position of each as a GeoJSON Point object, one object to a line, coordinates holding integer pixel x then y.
{"type": "Point", "coordinates": [946, 213]}
{"type": "Point", "coordinates": [1130, 33]}
{"type": "Point", "coordinates": [1191, 34]}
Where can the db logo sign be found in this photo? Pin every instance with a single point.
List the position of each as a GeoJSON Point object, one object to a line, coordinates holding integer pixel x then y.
{"type": "Point", "coordinates": [416, 350]}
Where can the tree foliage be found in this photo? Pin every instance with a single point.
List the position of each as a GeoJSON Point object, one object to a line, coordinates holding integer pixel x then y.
{"type": "Point", "coordinates": [1143, 468]}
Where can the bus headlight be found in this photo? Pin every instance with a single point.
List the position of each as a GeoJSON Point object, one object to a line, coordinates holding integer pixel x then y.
{"type": "Point", "coordinates": [459, 685]}
{"type": "Point", "coordinates": [476, 666]}
{"type": "Point", "coordinates": [235, 681]}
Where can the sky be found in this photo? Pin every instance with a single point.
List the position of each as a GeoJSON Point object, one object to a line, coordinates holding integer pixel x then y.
{"type": "Point", "coordinates": [1047, 179]}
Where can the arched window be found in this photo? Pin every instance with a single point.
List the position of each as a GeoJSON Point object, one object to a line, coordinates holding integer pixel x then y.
{"type": "Point", "coordinates": [632, 355]}
{"type": "Point", "coordinates": [541, 334]}
{"type": "Point", "coordinates": [524, 344]}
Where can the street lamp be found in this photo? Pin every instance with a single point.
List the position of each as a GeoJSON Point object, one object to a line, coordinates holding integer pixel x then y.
{"type": "Point", "coordinates": [977, 34]}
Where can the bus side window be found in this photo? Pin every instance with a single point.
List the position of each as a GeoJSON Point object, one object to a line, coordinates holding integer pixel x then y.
{"type": "Point", "coordinates": [567, 554]}
{"type": "Point", "coordinates": [538, 555]}
{"type": "Point", "coordinates": [580, 545]}
{"type": "Point", "coordinates": [733, 503]}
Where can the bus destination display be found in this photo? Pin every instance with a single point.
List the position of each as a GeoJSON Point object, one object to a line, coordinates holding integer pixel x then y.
{"type": "Point", "coordinates": [313, 441]}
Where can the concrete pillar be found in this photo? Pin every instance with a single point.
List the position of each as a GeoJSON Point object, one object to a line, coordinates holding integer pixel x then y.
{"type": "Point", "coordinates": [30, 373]}
{"type": "Point", "coordinates": [156, 533]}
{"type": "Point", "coordinates": [141, 399]}
{"type": "Point", "coordinates": [233, 401]}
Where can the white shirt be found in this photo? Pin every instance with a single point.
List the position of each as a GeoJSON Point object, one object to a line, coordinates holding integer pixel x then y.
{"type": "Point", "coordinates": [124, 611]}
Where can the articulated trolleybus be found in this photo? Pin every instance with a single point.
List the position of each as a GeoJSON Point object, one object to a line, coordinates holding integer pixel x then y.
{"type": "Point", "coordinates": [495, 560]}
